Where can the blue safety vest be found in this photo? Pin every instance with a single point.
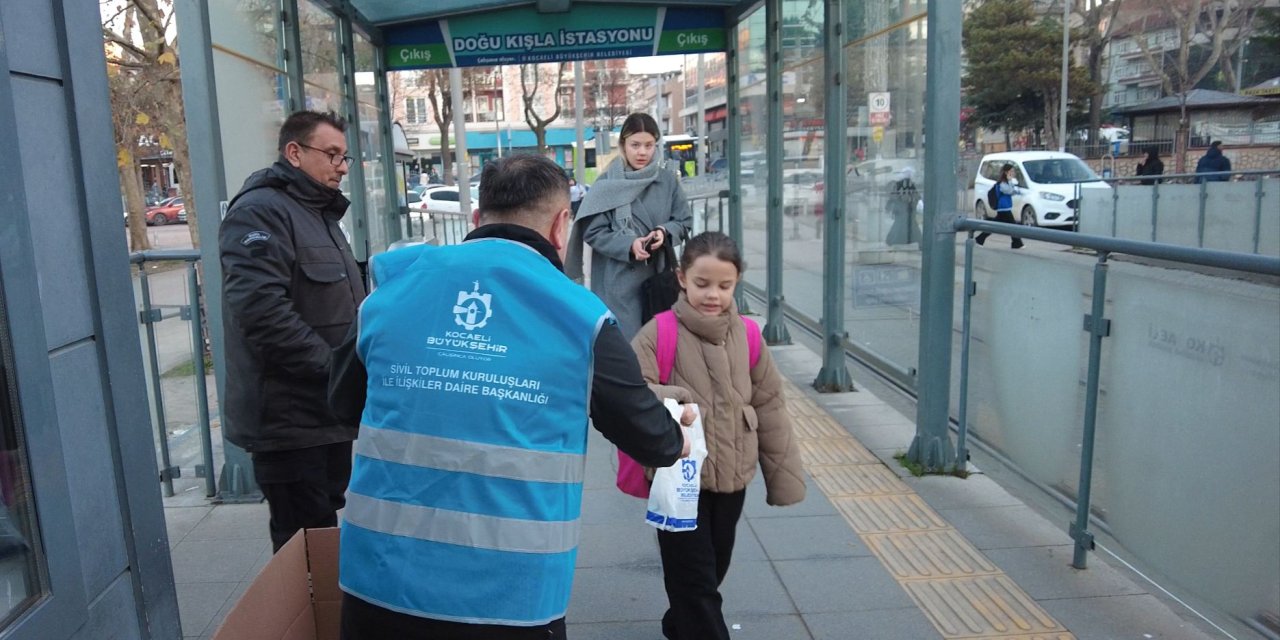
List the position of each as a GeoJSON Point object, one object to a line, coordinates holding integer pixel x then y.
{"type": "Point", "coordinates": [466, 488]}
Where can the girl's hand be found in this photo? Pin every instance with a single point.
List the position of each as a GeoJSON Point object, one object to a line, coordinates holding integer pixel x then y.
{"type": "Point", "coordinates": [688, 416]}
{"type": "Point", "coordinates": [637, 248]}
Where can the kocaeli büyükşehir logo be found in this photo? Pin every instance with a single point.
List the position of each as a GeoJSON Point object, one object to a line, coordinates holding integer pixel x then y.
{"type": "Point", "coordinates": [473, 309]}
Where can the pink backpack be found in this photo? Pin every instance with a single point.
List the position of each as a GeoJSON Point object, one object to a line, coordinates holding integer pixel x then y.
{"type": "Point", "coordinates": [631, 478]}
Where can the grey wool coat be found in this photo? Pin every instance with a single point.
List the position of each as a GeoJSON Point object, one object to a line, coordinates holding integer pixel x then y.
{"type": "Point", "coordinates": [615, 275]}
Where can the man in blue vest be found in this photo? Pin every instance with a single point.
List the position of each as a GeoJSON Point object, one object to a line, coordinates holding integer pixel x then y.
{"type": "Point", "coordinates": [473, 370]}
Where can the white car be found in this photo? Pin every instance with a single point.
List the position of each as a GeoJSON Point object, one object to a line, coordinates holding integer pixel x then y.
{"type": "Point", "coordinates": [1049, 184]}
{"type": "Point", "coordinates": [442, 199]}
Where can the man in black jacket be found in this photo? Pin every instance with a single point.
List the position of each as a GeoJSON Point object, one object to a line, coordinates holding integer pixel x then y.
{"type": "Point", "coordinates": [290, 290]}
{"type": "Point", "coordinates": [523, 199]}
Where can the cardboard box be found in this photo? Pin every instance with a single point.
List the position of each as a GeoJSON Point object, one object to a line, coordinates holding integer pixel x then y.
{"type": "Point", "coordinates": [295, 597]}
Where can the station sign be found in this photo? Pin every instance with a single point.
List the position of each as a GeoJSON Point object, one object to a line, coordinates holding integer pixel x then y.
{"type": "Point", "coordinates": [521, 35]}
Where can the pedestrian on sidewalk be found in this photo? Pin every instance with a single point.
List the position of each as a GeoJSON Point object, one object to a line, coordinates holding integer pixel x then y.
{"type": "Point", "coordinates": [634, 208]}
{"type": "Point", "coordinates": [1005, 187]}
{"type": "Point", "coordinates": [1214, 162]}
{"type": "Point", "coordinates": [1151, 166]}
{"type": "Point", "coordinates": [290, 290]}
{"type": "Point", "coordinates": [473, 370]}
{"type": "Point", "coordinates": [746, 424]}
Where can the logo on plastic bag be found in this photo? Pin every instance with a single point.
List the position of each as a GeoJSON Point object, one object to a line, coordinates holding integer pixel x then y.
{"type": "Point", "coordinates": [473, 309]}
{"type": "Point", "coordinates": [689, 468]}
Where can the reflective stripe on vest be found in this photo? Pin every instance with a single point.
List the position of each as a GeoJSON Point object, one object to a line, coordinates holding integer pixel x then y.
{"type": "Point", "coordinates": [449, 454]}
{"type": "Point", "coordinates": [460, 528]}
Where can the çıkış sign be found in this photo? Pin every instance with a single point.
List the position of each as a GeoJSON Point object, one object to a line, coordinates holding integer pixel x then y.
{"type": "Point", "coordinates": [522, 35]}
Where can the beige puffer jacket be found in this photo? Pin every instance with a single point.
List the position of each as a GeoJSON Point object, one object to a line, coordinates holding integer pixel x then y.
{"type": "Point", "coordinates": [743, 411]}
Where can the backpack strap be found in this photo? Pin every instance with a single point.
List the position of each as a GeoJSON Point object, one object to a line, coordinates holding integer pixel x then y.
{"type": "Point", "coordinates": [668, 335]}
{"type": "Point", "coordinates": [754, 339]}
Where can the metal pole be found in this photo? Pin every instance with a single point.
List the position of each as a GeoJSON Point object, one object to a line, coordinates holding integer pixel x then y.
{"type": "Point", "coordinates": [733, 147]}
{"type": "Point", "coordinates": [460, 142]}
{"type": "Point", "coordinates": [204, 138]}
{"type": "Point", "coordinates": [580, 156]}
{"type": "Point", "coordinates": [149, 318]}
{"type": "Point", "coordinates": [291, 50]}
{"type": "Point", "coordinates": [202, 393]}
{"type": "Point", "coordinates": [1066, 69]}
{"type": "Point", "coordinates": [834, 375]}
{"type": "Point", "coordinates": [363, 217]}
{"type": "Point", "coordinates": [1257, 215]}
{"type": "Point", "coordinates": [657, 103]}
{"type": "Point", "coordinates": [700, 149]}
{"type": "Point", "coordinates": [931, 447]}
{"type": "Point", "coordinates": [970, 290]}
{"type": "Point", "coordinates": [389, 181]}
{"type": "Point", "coordinates": [775, 328]}
{"type": "Point", "coordinates": [1099, 328]}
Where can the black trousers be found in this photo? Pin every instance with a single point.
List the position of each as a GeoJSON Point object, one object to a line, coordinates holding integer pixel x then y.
{"type": "Point", "coordinates": [364, 621]}
{"type": "Point", "coordinates": [304, 488]}
{"type": "Point", "coordinates": [1005, 216]}
{"type": "Point", "coordinates": [694, 564]}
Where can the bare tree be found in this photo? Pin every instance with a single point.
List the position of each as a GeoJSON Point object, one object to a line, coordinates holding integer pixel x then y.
{"type": "Point", "coordinates": [1215, 29]}
{"type": "Point", "coordinates": [1099, 21]}
{"type": "Point", "coordinates": [608, 98]}
{"type": "Point", "coordinates": [533, 80]}
{"type": "Point", "coordinates": [146, 99]}
{"type": "Point", "coordinates": [440, 94]}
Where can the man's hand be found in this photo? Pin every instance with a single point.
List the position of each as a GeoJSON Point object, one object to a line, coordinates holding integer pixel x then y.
{"type": "Point", "coordinates": [685, 448]}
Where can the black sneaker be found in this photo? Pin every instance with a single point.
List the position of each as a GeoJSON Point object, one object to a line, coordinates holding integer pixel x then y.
{"type": "Point", "coordinates": [1017, 246]}
{"type": "Point", "coordinates": [979, 239]}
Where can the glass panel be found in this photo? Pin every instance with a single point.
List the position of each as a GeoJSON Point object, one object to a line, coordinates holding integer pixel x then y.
{"type": "Point", "coordinates": [1220, 440]}
{"type": "Point", "coordinates": [753, 110]}
{"type": "Point", "coordinates": [322, 71]}
{"type": "Point", "coordinates": [247, 27]}
{"type": "Point", "coordinates": [377, 202]}
{"type": "Point", "coordinates": [250, 115]}
{"type": "Point", "coordinates": [803, 186]}
{"type": "Point", "coordinates": [884, 184]}
{"type": "Point", "coordinates": [801, 31]}
{"type": "Point", "coordinates": [20, 561]}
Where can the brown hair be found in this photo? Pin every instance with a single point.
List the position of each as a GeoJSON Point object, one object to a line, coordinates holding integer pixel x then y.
{"type": "Point", "coordinates": [711, 243]}
{"type": "Point", "coordinates": [639, 123]}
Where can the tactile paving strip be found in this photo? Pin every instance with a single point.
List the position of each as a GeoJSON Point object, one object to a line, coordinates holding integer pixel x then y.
{"type": "Point", "coordinates": [827, 451]}
{"type": "Point", "coordinates": [930, 555]}
{"type": "Point", "coordinates": [963, 594]}
{"type": "Point", "coordinates": [983, 607]}
{"type": "Point", "coordinates": [857, 480]}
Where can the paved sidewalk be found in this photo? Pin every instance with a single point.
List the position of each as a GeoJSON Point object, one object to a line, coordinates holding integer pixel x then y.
{"type": "Point", "coordinates": [872, 553]}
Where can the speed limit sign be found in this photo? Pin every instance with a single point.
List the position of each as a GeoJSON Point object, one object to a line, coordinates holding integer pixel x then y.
{"type": "Point", "coordinates": [878, 102]}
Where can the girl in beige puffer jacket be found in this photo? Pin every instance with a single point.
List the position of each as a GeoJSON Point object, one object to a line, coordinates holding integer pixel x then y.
{"type": "Point", "coordinates": [746, 423]}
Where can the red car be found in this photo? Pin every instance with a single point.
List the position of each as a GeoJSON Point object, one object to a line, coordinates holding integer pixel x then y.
{"type": "Point", "coordinates": [167, 212]}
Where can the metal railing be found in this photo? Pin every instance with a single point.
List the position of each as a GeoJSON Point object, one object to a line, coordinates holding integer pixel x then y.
{"type": "Point", "coordinates": [437, 227]}
{"type": "Point", "coordinates": [1126, 194]}
{"type": "Point", "coordinates": [1095, 323]}
{"type": "Point", "coordinates": [152, 316]}
{"type": "Point", "coordinates": [710, 211]}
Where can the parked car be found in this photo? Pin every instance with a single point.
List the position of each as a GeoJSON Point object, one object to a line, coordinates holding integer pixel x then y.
{"type": "Point", "coordinates": [802, 192]}
{"type": "Point", "coordinates": [166, 213]}
{"type": "Point", "coordinates": [441, 199]}
{"type": "Point", "coordinates": [1048, 185]}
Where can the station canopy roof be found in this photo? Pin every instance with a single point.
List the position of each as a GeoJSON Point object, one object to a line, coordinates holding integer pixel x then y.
{"type": "Point", "coordinates": [386, 12]}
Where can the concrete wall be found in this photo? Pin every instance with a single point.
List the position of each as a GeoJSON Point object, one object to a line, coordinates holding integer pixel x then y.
{"type": "Point", "coordinates": [77, 362]}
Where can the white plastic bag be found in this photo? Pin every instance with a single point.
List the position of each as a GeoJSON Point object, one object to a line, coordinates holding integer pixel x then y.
{"type": "Point", "coordinates": [673, 498]}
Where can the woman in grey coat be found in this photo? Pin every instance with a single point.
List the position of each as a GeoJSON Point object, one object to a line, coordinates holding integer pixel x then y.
{"type": "Point", "coordinates": [630, 213]}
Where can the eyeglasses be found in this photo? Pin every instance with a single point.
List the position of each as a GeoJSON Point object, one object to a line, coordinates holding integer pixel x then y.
{"type": "Point", "coordinates": [336, 159]}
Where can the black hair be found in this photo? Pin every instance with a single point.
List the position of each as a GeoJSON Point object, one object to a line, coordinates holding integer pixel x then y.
{"type": "Point", "coordinates": [521, 184]}
{"type": "Point", "coordinates": [639, 123]}
{"type": "Point", "coordinates": [714, 244]}
{"type": "Point", "coordinates": [299, 126]}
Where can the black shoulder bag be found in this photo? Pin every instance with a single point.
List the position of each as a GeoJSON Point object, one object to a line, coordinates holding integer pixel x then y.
{"type": "Point", "coordinates": [662, 289]}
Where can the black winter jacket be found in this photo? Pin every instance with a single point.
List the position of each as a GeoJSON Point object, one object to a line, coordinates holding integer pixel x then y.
{"type": "Point", "coordinates": [290, 291]}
